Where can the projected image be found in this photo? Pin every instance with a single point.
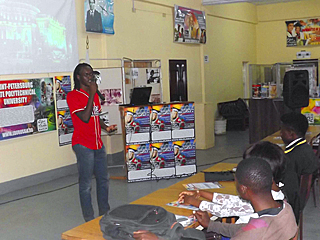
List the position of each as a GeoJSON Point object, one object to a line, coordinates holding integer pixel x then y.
{"type": "Point", "coordinates": [37, 36]}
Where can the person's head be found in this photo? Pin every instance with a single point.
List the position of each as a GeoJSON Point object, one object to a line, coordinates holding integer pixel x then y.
{"type": "Point", "coordinates": [129, 117]}
{"type": "Point", "coordinates": [290, 26]}
{"type": "Point", "coordinates": [43, 86]}
{"type": "Point", "coordinates": [176, 150]}
{"type": "Point", "coordinates": [294, 125]}
{"type": "Point", "coordinates": [154, 153]}
{"type": "Point", "coordinates": [97, 77]}
{"type": "Point", "coordinates": [174, 113]}
{"type": "Point", "coordinates": [58, 85]}
{"type": "Point", "coordinates": [272, 154]}
{"type": "Point", "coordinates": [60, 119]}
{"type": "Point", "coordinates": [92, 4]}
{"type": "Point", "coordinates": [131, 154]}
{"type": "Point", "coordinates": [297, 27]}
{"type": "Point", "coordinates": [154, 115]}
{"type": "Point", "coordinates": [82, 74]}
{"type": "Point", "coordinates": [253, 178]}
{"type": "Point", "coordinates": [191, 21]}
{"type": "Point", "coordinates": [151, 73]}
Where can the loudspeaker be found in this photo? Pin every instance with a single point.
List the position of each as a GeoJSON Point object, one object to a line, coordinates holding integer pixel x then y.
{"type": "Point", "coordinates": [296, 89]}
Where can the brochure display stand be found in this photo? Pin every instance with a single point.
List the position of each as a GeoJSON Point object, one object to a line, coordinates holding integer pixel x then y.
{"type": "Point", "coordinates": [159, 140]}
{"type": "Point", "coordinates": [143, 73]}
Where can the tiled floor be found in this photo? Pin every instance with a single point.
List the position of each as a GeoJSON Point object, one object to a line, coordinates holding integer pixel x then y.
{"type": "Point", "coordinates": [46, 216]}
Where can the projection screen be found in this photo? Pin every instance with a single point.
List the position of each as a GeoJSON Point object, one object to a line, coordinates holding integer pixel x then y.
{"type": "Point", "coordinates": [37, 36]}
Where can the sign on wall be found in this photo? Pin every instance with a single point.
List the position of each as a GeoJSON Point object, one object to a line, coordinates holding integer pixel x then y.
{"type": "Point", "coordinates": [65, 125]}
{"type": "Point", "coordinates": [26, 107]}
{"type": "Point", "coordinates": [303, 32]}
{"type": "Point", "coordinates": [312, 112]}
{"type": "Point", "coordinates": [99, 16]}
{"type": "Point", "coordinates": [189, 25]}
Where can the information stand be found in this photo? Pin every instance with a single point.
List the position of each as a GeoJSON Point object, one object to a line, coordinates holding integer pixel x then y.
{"type": "Point", "coordinates": [159, 140]}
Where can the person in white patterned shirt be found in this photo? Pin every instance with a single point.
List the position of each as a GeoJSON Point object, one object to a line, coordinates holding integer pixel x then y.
{"type": "Point", "coordinates": [225, 205]}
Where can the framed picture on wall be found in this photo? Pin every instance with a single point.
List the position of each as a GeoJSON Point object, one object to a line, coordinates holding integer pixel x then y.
{"type": "Point", "coordinates": [189, 25]}
{"type": "Point", "coordinates": [303, 32]}
{"type": "Point", "coordinates": [99, 16]}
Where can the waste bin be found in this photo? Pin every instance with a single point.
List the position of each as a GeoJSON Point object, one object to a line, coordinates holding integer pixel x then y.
{"type": "Point", "coordinates": [220, 126]}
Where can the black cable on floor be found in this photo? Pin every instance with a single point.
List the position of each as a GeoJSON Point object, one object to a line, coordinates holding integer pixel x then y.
{"type": "Point", "coordinates": [189, 175]}
{"type": "Point", "coordinates": [208, 164]}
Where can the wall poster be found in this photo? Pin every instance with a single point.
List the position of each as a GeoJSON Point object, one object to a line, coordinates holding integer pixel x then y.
{"type": "Point", "coordinates": [185, 156]}
{"type": "Point", "coordinates": [137, 124]}
{"type": "Point", "coordinates": [153, 75]}
{"type": "Point", "coordinates": [182, 120]}
{"type": "Point", "coordinates": [162, 160]}
{"type": "Point", "coordinates": [303, 32]}
{"type": "Point", "coordinates": [26, 107]}
{"type": "Point", "coordinates": [312, 112]}
{"type": "Point", "coordinates": [65, 126]}
{"type": "Point", "coordinates": [138, 162]}
{"type": "Point", "coordinates": [160, 122]}
{"type": "Point", "coordinates": [189, 25]}
{"type": "Point", "coordinates": [99, 16]}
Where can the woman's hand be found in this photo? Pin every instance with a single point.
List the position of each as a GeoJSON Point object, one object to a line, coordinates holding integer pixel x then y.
{"type": "Point", "coordinates": [189, 199]}
{"type": "Point", "coordinates": [189, 193]}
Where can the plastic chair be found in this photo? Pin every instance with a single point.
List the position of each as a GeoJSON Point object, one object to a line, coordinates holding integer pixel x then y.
{"type": "Point", "coordinates": [295, 236]}
{"type": "Point", "coordinates": [305, 187]}
{"type": "Point", "coordinates": [317, 152]}
{"type": "Point", "coordinates": [236, 112]}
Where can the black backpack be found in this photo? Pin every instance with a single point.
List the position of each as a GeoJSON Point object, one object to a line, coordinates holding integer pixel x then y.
{"type": "Point", "coordinates": [121, 222]}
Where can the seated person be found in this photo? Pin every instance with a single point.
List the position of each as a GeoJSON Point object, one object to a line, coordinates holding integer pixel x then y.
{"type": "Point", "coordinates": [225, 205]}
{"type": "Point", "coordinates": [273, 220]}
{"type": "Point", "coordinates": [301, 158]}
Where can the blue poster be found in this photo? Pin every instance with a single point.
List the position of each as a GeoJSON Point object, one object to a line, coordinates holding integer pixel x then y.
{"type": "Point", "coordinates": [99, 16]}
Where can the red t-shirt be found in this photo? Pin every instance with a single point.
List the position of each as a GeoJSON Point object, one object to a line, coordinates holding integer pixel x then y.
{"type": "Point", "coordinates": [86, 134]}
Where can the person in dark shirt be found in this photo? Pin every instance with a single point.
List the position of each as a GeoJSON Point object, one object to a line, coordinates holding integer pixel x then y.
{"type": "Point", "coordinates": [300, 156]}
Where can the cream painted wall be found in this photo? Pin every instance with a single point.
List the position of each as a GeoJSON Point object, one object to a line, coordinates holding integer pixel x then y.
{"type": "Point", "coordinates": [34, 154]}
{"type": "Point", "coordinates": [231, 41]}
{"type": "Point", "coordinates": [242, 12]}
{"type": "Point", "coordinates": [144, 34]}
{"type": "Point", "coordinates": [271, 30]}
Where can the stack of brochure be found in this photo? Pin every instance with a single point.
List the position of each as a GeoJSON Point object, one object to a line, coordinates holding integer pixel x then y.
{"type": "Point", "coordinates": [200, 186]}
